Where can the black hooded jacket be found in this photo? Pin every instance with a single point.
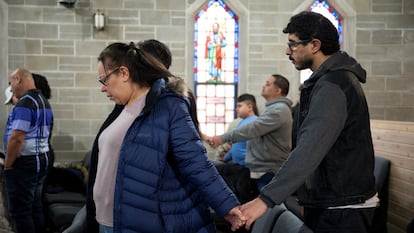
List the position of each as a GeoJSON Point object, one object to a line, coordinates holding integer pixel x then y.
{"type": "Point", "coordinates": [333, 162]}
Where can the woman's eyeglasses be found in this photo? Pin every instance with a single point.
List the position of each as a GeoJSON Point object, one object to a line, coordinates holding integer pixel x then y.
{"type": "Point", "coordinates": [104, 80]}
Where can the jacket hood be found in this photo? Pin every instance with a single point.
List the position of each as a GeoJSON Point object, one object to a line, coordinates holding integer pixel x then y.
{"type": "Point", "coordinates": [281, 99]}
{"type": "Point", "coordinates": [341, 61]}
{"type": "Point", "coordinates": [177, 85]}
{"type": "Point", "coordinates": [164, 86]}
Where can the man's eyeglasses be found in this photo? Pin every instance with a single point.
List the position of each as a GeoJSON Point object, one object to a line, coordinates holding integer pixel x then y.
{"type": "Point", "coordinates": [104, 80]}
{"type": "Point", "coordinates": [293, 45]}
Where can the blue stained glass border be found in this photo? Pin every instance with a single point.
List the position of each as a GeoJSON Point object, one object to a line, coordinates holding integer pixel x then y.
{"type": "Point", "coordinates": [333, 12]}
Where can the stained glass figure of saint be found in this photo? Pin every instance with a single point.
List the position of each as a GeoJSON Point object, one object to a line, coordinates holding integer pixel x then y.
{"type": "Point", "coordinates": [215, 52]}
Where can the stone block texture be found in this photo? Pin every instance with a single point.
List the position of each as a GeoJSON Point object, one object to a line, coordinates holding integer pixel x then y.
{"type": "Point", "coordinates": [62, 44]}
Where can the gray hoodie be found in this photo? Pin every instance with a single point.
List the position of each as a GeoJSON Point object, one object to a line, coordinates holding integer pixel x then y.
{"type": "Point", "coordinates": [269, 136]}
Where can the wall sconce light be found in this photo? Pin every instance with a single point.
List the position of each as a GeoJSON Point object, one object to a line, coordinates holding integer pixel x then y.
{"type": "Point", "coordinates": [99, 20]}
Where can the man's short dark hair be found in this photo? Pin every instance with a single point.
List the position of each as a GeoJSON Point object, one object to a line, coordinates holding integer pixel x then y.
{"type": "Point", "coordinates": [282, 83]}
{"type": "Point", "coordinates": [249, 99]}
{"type": "Point", "coordinates": [310, 25]}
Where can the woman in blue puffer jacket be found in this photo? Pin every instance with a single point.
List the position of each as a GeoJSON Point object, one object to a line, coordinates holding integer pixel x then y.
{"type": "Point", "coordinates": [149, 171]}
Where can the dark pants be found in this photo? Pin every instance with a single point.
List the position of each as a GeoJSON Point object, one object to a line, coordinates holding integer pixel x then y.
{"type": "Point", "coordinates": [410, 226]}
{"type": "Point", "coordinates": [339, 220]}
{"type": "Point", "coordinates": [238, 179]}
{"type": "Point", "coordinates": [24, 185]}
{"type": "Point", "coordinates": [264, 180]}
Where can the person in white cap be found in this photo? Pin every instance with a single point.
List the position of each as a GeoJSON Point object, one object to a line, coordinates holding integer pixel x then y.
{"type": "Point", "coordinates": [10, 98]}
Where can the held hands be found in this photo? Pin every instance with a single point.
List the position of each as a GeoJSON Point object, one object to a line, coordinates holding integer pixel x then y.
{"type": "Point", "coordinates": [236, 218]}
{"type": "Point", "coordinates": [214, 141]}
{"type": "Point", "coordinates": [253, 210]}
{"type": "Point", "coordinates": [246, 214]}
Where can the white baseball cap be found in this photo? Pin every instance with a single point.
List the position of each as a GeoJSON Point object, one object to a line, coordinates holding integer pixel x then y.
{"type": "Point", "coordinates": [9, 95]}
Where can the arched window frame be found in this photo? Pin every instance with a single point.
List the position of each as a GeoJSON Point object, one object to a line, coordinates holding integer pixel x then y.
{"type": "Point", "coordinates": [216, 97]}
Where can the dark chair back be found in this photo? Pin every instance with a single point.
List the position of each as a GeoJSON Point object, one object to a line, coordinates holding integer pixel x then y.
{"type": "Point", "coordinates": [79, 222]}
{"type": "Point", "coordinates": [382, 174]}
{"type": "Point", "coordinates": [265, 223]}
{"type": "Point", "coordinates": [288, 222]}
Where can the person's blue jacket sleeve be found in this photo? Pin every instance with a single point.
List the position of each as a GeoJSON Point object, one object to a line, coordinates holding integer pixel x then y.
{"type": "Point", "coordinates": [193, 164]}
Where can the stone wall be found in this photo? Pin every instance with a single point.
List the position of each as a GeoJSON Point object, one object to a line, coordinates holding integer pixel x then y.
{"type": "Point", "coordinates": [62, 44]}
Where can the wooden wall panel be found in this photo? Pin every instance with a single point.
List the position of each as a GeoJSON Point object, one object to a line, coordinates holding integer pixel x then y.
{"type": "Point", "coordinates": [395, 141]}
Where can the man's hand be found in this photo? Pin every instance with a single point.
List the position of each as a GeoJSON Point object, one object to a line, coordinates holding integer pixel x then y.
{"type": "Point", "coordinates": [236, 218]}
{"type": "Point", "coordinates": [14, 147]}
{"type": "Point", "coordinates": [215, 141]}
{"type": "Point", "coordinates": [253, 210]}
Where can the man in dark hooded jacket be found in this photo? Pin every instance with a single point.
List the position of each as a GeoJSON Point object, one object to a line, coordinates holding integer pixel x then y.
{"type": "Point", "coordinates": [333, 162]}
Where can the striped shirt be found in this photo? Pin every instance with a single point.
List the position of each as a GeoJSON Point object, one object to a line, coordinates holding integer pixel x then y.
{"type": "Point", "coordinates": [32, 115]}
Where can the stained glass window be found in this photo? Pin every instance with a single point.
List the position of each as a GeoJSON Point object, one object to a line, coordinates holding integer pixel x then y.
{"type": "Point", "coordinates": [322, 7]}
{"type": "Point", "coordinates": [216, 66]}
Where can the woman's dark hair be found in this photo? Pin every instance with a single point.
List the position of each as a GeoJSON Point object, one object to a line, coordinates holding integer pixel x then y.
{"type": "Point", "coordinates": [143, 67]}
{"type": "Point", "coordinates": [42, 84]}
{"type": "Point", "coordinates": [157, 49]}
{"type": "Point", "coordinates": [310, 25]}
{"type": "Point", "coordinates": [249, 99]}
{"type": "Point", "coordinates": [282, 83]}
{"type": "Point", "coordinates": [193, 110]}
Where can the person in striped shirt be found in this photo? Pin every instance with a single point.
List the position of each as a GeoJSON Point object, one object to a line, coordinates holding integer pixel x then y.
{"type": "Point", "coordinates": [26, 143]}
